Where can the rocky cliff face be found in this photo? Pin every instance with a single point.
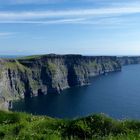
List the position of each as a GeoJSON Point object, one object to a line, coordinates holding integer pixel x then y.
{"type": "Point", "coordinates": [37, 75]}
{"type": "Point", "coordinates": [129, 60]}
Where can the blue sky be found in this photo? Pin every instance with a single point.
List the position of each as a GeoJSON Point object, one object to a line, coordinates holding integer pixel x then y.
{"type": "Point", "coordinates": [89, 27]}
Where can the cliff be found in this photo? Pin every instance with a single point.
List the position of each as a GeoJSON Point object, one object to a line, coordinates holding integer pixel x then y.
{"type": "Point", "coordinates": [35, 75]}
{"type": "Point", "coordinates": [127, 60]}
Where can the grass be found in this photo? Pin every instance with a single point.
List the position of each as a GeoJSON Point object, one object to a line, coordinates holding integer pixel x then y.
{"type": "Point", "coordinates": [32, 57]}
{"type": "Point", "coordinates": [22, 126]}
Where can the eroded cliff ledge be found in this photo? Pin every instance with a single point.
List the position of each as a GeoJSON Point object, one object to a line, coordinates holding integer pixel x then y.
{"type": "Point", "coordinates": [35, 75]}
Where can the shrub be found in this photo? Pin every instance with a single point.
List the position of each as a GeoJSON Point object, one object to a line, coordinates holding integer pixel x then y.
{"type": "Point", "coordinates": [8, 117]}
{"type": "Point", "coordinates": [97, 127]}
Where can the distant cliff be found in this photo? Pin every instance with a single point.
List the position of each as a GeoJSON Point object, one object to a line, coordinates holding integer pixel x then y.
{"type": "Point", "coordinates": [129, 60]}
{"type": "Point", "coordinates": [35, 75]}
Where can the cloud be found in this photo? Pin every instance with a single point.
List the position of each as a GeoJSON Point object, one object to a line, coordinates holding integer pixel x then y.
{"type": "Point", "coordinates": [6, 35]}
{"type": "Point", "coordinates": [3, 34]}
{"type": "Point", "coordinates": [72, 13]}
{"type": "Point", "coordinates": [85, 16]}
{"type": "Point", "coordinates": [58, 21]}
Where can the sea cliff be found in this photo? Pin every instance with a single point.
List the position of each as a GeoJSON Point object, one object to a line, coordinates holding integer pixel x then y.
{"type": "Point", "coordinates": [36, 75]}
{"type": "Point", "coordinates": [128, 60]}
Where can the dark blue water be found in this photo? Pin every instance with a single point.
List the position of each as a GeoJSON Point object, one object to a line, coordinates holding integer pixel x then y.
{"type": "Point", "coordinates": [117, 94]}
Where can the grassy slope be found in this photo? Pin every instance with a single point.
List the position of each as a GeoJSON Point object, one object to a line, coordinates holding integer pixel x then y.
{"type": "Point", "coordinates": [99, 127]}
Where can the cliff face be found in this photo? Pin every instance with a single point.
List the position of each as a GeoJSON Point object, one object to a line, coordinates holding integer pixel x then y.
{"type": "Point", "coordinates": [37, 75]}
{"type": "Point", "coordinates": [129, 60]}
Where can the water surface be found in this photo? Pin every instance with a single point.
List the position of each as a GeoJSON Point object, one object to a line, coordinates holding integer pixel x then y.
{"type": "Point", "coordinates": [116, 94]}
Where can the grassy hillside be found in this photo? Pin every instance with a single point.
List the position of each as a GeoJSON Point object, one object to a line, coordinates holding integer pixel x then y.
{"type": "Point", "coordinates": [97, 127]}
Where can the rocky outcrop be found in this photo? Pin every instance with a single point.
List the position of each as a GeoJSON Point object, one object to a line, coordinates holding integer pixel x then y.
{"type": "Point", "coordinates": [36, 75]}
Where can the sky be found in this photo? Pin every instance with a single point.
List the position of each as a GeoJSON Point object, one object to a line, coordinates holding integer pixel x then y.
{"type": "Point", "coordinates": [88, 27]}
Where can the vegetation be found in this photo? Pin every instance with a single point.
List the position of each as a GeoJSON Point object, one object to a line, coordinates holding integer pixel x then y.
{"type": "Point", "coordinates": [97, 127]}
{"type": "Point", "coordinates": [15, 65]}
{"type": "Point", "coordinates": [52, 67]}
{"type": "Point", "coordinates": [31, 57]}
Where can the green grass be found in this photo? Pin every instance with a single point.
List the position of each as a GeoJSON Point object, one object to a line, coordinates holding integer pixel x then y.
{"type": "Point", "coordinates": [96, 127]}
{"type": "Point", "coordinates": [32, 57]}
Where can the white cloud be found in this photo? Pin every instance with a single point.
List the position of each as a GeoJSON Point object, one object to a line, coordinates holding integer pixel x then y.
{"type": "Point", "coordinates": [66, 16]}
{"type": "Point", "coordinates": [75, 20]}
{"type": "Point", "coordinates": [5, 34]}
{"type": "Point", "coordinates": [66, 13]}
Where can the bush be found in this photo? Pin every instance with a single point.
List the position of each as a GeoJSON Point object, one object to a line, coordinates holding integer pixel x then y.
{"type": "Point", "coordinates": [8, 118]}
{"type": "Point", "coordinates": [97, 127]}
{"type": "Point", "coordinates": [77, 129]}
